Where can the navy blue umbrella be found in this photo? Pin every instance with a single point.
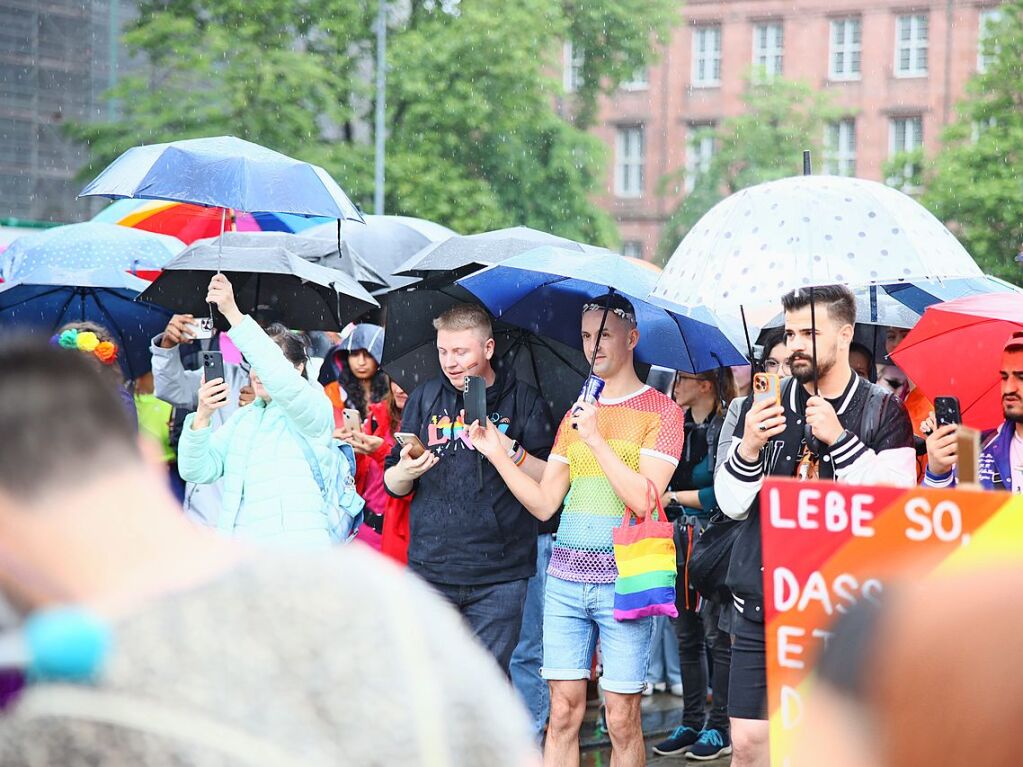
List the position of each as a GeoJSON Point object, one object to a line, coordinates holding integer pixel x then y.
{"type": "Point", "coordinates": [38, 301]}
{"type": "Point", "coordinates": [545, 290]}
{"type": "Point", "coordinates": [224, 172]}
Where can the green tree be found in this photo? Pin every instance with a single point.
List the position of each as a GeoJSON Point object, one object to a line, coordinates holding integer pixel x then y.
{"type": "Point", "coordinates": [974, 182]}
{"type": "Point", "coordinates": [474, 139]}
{"type": "Point", "coordinates": [766, 142]}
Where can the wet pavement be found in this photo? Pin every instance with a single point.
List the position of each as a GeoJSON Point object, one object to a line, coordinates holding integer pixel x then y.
{"type": "Point", "coordinates": [662, 712]}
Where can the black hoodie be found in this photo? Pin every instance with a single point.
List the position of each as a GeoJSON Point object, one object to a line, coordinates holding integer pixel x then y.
{"type": "Point", "coordinates": [465, 526]}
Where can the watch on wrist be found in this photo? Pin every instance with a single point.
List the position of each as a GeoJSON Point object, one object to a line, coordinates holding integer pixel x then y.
{"type": "Point", "coordinates": [513, 449]}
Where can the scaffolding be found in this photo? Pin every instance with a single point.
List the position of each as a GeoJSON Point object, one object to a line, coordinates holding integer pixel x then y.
{"type": "Point", "coordinates": [57, 59]}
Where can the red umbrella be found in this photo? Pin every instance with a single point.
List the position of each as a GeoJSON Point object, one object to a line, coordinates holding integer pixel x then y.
{"type": "Point", "coordinates": [956, 350]}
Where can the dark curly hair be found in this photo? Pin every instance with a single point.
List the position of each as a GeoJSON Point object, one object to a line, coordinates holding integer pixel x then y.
{"type": "Point", "coordinates": [356, 397]}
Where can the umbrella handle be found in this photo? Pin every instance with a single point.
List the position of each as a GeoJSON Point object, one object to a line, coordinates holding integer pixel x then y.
{"type": "Point", "coordinates": [600, 332]}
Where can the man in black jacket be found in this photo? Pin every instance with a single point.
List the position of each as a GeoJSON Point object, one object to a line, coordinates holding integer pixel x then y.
{"type": "Point", "coordinates": [468, 535]}
{"type": "Point", "coordinates": [861, 435]}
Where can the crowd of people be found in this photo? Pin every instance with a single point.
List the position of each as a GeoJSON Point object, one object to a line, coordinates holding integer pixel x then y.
{"type": "Point", "coordinates": [231, 646]}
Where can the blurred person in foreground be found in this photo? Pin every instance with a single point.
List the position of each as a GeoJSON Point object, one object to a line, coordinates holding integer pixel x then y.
{"type": "Point", "coordinates": [222, 655]}
{"type": "Point", "coordinates": [895, 687]}
{"type": "Point", "coordinates": [859, 434]}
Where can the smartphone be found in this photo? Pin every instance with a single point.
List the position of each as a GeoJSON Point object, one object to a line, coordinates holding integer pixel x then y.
{"type": "Point", "coordinates": [202, 328]}
{"type": "Point", "coordinates": [212, 365]}
{"type": "Point", "coordinates": [408, 438]}
{"type": "Point", "coordinates": [352, 419]}
{"type": "Point", "coordinates": [946, 411]}
{"type": "Point", "coordinates": [475, 394]}
{"type": "Point", "coordinates": [767, 386]}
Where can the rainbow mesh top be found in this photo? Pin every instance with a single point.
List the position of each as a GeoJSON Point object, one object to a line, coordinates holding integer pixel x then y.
{"type": "Point", "coordinates": [645, 423]}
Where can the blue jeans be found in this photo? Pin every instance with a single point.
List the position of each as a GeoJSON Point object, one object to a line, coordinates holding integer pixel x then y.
{"type": "Point", "coordinates": [528, 655]}
{"type": "Point", "coordinates": [494, 614]}
{"type": "Point", "coordinates": [664, 656]}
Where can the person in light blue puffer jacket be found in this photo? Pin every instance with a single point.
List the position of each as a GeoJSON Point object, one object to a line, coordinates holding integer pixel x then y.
{"type": "Point", "coordinates": [270, 492]}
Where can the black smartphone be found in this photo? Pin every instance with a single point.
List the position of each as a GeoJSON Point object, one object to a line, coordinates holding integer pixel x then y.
{"type": "Point", "coordinates": [946, 411]}
{"type": "Point", "coordinates": [212, 365]}
{"type": "Point", "coordinates": [475, 394]}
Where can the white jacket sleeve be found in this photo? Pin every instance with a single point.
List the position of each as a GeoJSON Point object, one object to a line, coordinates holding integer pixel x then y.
{"type": "Point", "coordinates": [857, 464]}
{"type": "Point", "coordinates": [171, 382]}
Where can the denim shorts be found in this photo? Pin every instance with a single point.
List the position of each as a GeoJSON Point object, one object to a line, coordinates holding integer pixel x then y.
{"type": "Point", "coordinates": [574, 616]}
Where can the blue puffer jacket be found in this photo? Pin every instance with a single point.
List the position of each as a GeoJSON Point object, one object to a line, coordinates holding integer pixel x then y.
{"type": "Point", "coordinates": [270, 494]}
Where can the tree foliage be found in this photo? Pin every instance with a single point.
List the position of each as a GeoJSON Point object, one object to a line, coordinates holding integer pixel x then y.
{"type": "Point", "coordinates": [974, 182]}
{"type": "Point", "coordinates": [766, 142]}
{"type": "Point", "coordinates": [474, 141]}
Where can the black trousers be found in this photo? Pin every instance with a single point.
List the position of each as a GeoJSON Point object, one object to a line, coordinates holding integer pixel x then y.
{"type": "Point", "coordinates": [697, 633]}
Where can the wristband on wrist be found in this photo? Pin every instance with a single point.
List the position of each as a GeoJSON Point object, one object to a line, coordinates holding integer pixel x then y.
{"type": "Point", "coordinates": [520, 456]}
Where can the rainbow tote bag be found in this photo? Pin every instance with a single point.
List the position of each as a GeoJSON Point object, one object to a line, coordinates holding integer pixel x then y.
{"type": "Point", "coordinates": [645, 556]}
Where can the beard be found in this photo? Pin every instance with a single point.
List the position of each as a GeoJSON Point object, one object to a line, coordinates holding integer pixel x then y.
{"type": "Point", "coordinates": [803, 369]}
{"type": "Point", "coordinates": [1014, 417]}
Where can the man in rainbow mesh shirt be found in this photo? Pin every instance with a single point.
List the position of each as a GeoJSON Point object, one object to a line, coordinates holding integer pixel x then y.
{"type": "Point", "coordinates": [602, 460]}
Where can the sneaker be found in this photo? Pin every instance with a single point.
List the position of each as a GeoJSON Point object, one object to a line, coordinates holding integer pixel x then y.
{"type": "Point", "coordinates": [676, 690]}
{"type": "Point", "coordinates": [648, 689]}
{"type": "Point", "coordinates": [679, 742]}
{"type": "Point", "coordinates": [710, 745]}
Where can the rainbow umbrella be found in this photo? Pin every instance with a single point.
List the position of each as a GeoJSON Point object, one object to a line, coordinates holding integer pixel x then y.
{"type": "Point", "coordinates": [190, 222]}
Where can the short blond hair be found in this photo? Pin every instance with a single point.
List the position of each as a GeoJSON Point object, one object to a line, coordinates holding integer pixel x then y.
{"type": "Point", "coordinates": [466, 317]}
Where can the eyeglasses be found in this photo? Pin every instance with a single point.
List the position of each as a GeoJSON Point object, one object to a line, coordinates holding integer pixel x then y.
{"type": "Point", "coordinates": [771, 364]}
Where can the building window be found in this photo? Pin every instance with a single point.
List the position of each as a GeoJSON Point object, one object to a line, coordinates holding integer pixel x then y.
{"type": "Point", "coordinates": [988, 18]}
{"type": "Point", "coordinates": [706, 56]}
{"type": "Point", "coordinates": [846, 47]}
{"type": "Point", "coordinates": [629, 160]}
{"type": "Point", "coordinates": [573, 72]}
{"type": "Point", "coordinates": [638, 82]}
{"type": "Point", "coordinates": [840, 148]}
{"type": "Point", "coordinates": [906, 134]}
{"type": "Point", "coordinates": [768, 46]}
{"type": "Point", "coordinates": [911, 46]}
{"type": "Point", "coordinates": [699, 152]}
{"type": "Point", "coordinates": [632, 249]}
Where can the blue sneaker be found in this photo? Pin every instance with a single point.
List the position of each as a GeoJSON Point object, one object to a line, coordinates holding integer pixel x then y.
{"type": "Point", "coordinates": [710, 745]}
{"type": "Point", "coordinates": [680, 741]}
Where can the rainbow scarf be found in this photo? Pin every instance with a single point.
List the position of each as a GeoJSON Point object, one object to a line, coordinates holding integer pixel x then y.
{"type": "Point", "coordinates": [645, 556]}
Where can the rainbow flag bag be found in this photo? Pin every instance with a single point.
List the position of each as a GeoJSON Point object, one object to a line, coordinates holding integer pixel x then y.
{"type": "Point", "coordinates": [645, 556]}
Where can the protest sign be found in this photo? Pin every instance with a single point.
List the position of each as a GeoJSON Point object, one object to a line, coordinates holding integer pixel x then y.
{"type": "Point", "coordinates": [827, 546]}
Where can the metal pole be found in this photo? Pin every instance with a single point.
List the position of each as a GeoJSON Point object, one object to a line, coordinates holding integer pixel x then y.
{"type": "Point", "coordinates": [378, 185]}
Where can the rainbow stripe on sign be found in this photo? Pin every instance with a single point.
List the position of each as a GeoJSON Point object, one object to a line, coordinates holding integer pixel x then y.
{"type": "Point", "coordinates": [827, 546]}
{"type": "Point", "coordinates": [645, 556]}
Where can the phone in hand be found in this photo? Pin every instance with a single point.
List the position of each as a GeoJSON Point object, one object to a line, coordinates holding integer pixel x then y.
{"type": "Point", "coordinates": [202, 328]}
{"type": "Point", "coordinates": [474, 392]}
{"type": "Point", "coordinates": [408, 438]}
{"type": "Point", "coordinates": [767, 386]}
{"type": "Point", "coordinates": [212, 366]}
{"type": "Point", "coordinates": [352, 419]}
{"type": "Point", "coordinates": [946, 411]}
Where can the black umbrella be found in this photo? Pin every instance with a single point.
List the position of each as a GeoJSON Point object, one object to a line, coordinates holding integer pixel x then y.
{"type": "Point", "coordinates": [459, 256]}
{"type": "Point", "coordinates": [410, 348]}
{"type": "Point", "coordinates": [302, 295]}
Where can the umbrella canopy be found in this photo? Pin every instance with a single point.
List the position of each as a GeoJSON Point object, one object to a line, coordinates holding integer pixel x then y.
{"type": "Point", "coordinates": [300, 294]}
{"type": "Point", "coordinates": [39, 300]}
{"type": "Point", "coordinates": [322, 252]}
{"type": "Point", "coordinates": [544, 291]}
{"type": "Point", "coordinates": [934, 355]}
{"type": "Point", "coordinates": [190, 222]}
{"type": "Point", "coordinates": [463, 254]}
{"type": "Point", "coordinates": [225, 172]}
{"type": "Point", "coordinates": [388, 241]}
{"type": "Point", "coordinates": [760, 243]}
{"type": "Point", "coordinates": [410, 347]}
{"type": "Point", "coordinates": [61, 253]}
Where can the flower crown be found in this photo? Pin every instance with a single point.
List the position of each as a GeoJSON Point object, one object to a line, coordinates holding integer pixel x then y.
{"type": "Point", "coordinates": [627, 316]}
{"type": "Point", "coordinates": [87, 341]}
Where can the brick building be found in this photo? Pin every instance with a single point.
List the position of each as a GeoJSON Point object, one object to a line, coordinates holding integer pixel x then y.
{"type": "Point", "coordinates": [897, 66]}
